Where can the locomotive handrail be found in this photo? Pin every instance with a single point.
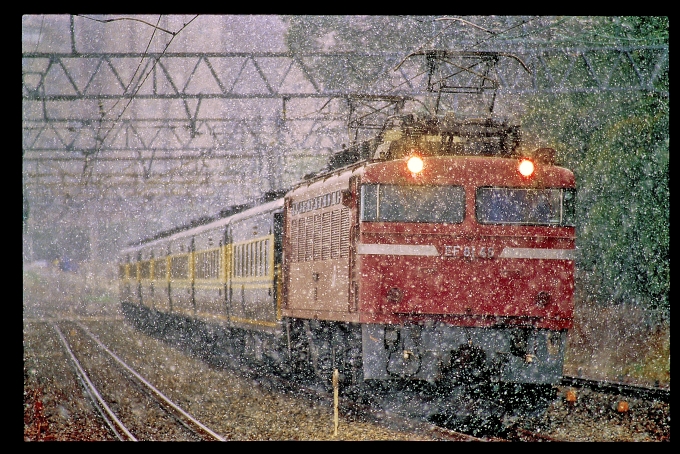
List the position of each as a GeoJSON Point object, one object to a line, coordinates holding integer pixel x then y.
{"type": "Point", "coordinates": [625, 389]}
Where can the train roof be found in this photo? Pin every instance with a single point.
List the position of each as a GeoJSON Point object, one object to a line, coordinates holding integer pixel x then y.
{"type": "Point", "coordinates": [472, 129]}
{"type": "Point", "coordinates": [220, 222]}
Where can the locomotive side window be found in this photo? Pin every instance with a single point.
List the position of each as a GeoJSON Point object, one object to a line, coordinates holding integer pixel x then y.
{"type": "Point", "coordinates": [550, 206]}
{"type": "Point", "coordinates": [410, 203]}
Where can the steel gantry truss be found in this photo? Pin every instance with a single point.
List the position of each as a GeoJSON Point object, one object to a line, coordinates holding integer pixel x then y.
{"type": "Point", "coordinates": [229, 125]}
{"type": "Point", "coordinates": [197, 106]}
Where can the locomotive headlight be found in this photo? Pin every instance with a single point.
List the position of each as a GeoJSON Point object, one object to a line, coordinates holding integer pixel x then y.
{"type": "Point", "coordinates": [526, 168]}
{"type": "Point", "coordinates": [414, 164]}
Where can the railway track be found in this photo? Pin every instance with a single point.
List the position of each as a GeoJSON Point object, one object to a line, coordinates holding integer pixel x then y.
{"type": "Point", "coordinates": [363, 406]}
{"type": "Point", "coordinates": [102, 374]}
{"type": "Point", "coordinates": [248, 411]}
{"type": "Point", "coordinates": [352, 403]}
{"type": "Point", "coordinates": [359, 416]}
{"type": "Point", "coordinates": [354, 406]}
{"type": "Point", "coordinates": [623, 389]}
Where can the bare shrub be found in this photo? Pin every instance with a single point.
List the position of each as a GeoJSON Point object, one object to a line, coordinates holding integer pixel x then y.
{"type": "Point", "coordinates": [613, 341]}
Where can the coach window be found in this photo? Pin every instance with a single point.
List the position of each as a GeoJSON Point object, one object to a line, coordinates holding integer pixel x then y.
{"type": "Point", "coordinates": [145, 269]}
{"type": "Point", "coordinates": [409, 203]}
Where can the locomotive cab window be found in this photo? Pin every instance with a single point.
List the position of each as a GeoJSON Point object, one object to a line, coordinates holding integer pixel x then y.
{"type": "Point", "coordinates": [410, 203]}
{"type": "Point", "coordinates": [550, 206]}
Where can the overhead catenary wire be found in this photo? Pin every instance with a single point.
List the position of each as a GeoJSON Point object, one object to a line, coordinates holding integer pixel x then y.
{"type": "Point", "coordinates": [139, 86]}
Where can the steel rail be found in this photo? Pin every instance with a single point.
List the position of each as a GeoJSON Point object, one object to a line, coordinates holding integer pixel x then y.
{"type": "Point", "coordinates": [624, 389]}
{"type": "Point", "coordinates": [152, 388]}
{"type": "Point", "coordinates": [107, 414]}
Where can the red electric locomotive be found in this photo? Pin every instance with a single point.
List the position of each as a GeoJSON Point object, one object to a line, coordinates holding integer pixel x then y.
{"type": "Point", "coordinates": [445, 257]}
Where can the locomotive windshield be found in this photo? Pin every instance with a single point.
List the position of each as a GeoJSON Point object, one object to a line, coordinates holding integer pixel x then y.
{"type": "Point", "coordinates": [551, 206]}
{"type": "Point", "coordinates": [395, 203]}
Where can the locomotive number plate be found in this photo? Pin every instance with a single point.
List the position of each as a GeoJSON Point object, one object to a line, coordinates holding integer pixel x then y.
{"type": "Point", "coordinates": [469, 252]}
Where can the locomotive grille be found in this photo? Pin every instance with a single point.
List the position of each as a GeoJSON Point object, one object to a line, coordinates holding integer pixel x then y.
{"type": "Point", "coordinates": [326, 236]}
{"type": "Point", "coordinates": [309, 238]}
{"type": "Point", "coordinates": [317, 243]}
{"type": "Point", "coordinates": [320, 236]}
